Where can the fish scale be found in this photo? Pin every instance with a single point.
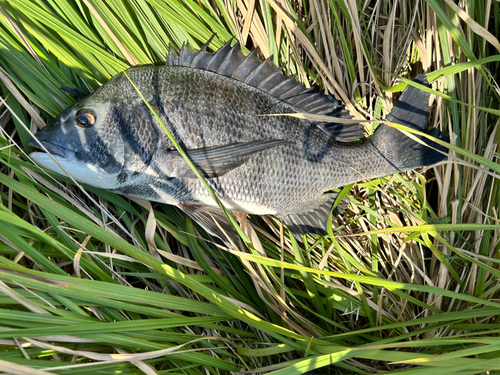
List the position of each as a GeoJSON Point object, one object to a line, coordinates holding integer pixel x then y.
{"type": "Point", "coordinates": [217, 105]}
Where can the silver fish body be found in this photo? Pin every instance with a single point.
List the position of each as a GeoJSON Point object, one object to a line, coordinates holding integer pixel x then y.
{"type": "Point", "coordinates": [217, 106]}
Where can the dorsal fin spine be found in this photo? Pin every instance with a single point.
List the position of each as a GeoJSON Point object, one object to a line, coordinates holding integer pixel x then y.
{"type": "Point", "coordinates": [321, 110]}
{"type": "Point", "coordinates": [195, 60]}
{"type": "Point", "coordinates": [172, 56]}
{"type": "Point", "coordinates": [235, 48]}
{"type": "Point", "coordinates": [257, 70]}
{"type": "Point", "coordinates": [202, 52]}
{"type": "Point", "coordinates": [181, 54]}
{"type": "Point", "coordinates": [301, 98]}
{"type": "Point", "coordinates": [294, 92]}
{"type": "Point", "coordinates": [281, 84]}
{"type": "Point", "coordinates": [245, 60]}
{"type": "Point", "coordinates": [311, 100]}
{"type": "Point", "coordinates": [205, 46]}
{"type": "Point", "coordinates": [227, 60]}
{"type": "Point", "coordinates": [270, 77]}
{"type": "Point", "coordinates": [217, 55]}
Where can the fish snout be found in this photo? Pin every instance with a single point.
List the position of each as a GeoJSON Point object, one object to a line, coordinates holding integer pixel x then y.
{"type": "Point", "coordinates": [39, 143]}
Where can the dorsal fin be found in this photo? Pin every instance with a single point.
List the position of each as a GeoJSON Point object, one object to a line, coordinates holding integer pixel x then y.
{"type": "Point", "coordinates": [230, 62]}
{"type": "Point", "coordinates": [74, 92]}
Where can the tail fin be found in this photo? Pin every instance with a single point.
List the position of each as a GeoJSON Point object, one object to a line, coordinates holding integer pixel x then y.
{"type": "Point", "coordinates": [411, 110]}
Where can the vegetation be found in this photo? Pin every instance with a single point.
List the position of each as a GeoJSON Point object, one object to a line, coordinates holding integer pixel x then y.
{"type": "Point", "coordinates": [406, 281]}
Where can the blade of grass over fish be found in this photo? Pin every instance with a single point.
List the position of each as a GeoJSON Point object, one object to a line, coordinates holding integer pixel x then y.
{"type": "Point", "coordinates": [22, 175]}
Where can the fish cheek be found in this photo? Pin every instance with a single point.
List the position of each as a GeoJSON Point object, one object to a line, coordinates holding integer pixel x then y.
{"type": "Point", "coordinates": [103, 149]}
{"type": "Point", "coordinates": [140, 136]}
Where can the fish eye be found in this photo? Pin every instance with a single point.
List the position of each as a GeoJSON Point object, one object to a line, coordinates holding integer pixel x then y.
{"type": "Point", "coordinates": [85, 118]}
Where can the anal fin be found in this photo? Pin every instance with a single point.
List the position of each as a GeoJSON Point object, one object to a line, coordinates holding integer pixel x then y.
{"type": "Point", "coordinates": [314, 216]}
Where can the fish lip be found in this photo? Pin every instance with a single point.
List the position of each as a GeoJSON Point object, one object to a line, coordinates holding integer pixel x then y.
{"type": "Point", "coordinates": [51, 148]}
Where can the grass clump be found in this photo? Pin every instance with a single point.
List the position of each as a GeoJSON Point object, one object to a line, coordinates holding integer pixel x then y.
{"type": "Point", "coordinates": [407, 281]}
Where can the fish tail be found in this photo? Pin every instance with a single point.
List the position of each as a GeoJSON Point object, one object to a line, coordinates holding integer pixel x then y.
{"type": "Point", "coordinates": [402, 152]}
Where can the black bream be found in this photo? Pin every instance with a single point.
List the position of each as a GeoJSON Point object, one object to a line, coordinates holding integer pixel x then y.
{"type": "Point", "coordinates": [213, 104]}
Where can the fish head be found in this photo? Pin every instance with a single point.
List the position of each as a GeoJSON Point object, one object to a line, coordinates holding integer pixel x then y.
{"type": "Point", "coordinates": [86, 142]}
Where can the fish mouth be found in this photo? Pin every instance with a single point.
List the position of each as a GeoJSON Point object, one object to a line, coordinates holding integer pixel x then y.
{"type": "Point", "coordinates": [51, 148]}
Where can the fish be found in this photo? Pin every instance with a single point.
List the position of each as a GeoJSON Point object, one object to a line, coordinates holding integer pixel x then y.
{"type": "Point", "coordinates": [217, 107]}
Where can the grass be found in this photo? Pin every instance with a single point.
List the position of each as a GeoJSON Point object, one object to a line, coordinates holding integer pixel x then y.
{"type": "Point", "coordinates": [406, 281]}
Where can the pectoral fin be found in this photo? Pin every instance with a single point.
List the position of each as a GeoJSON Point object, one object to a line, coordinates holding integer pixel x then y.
{"type": "Point", "coordinates": [219, 160]}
